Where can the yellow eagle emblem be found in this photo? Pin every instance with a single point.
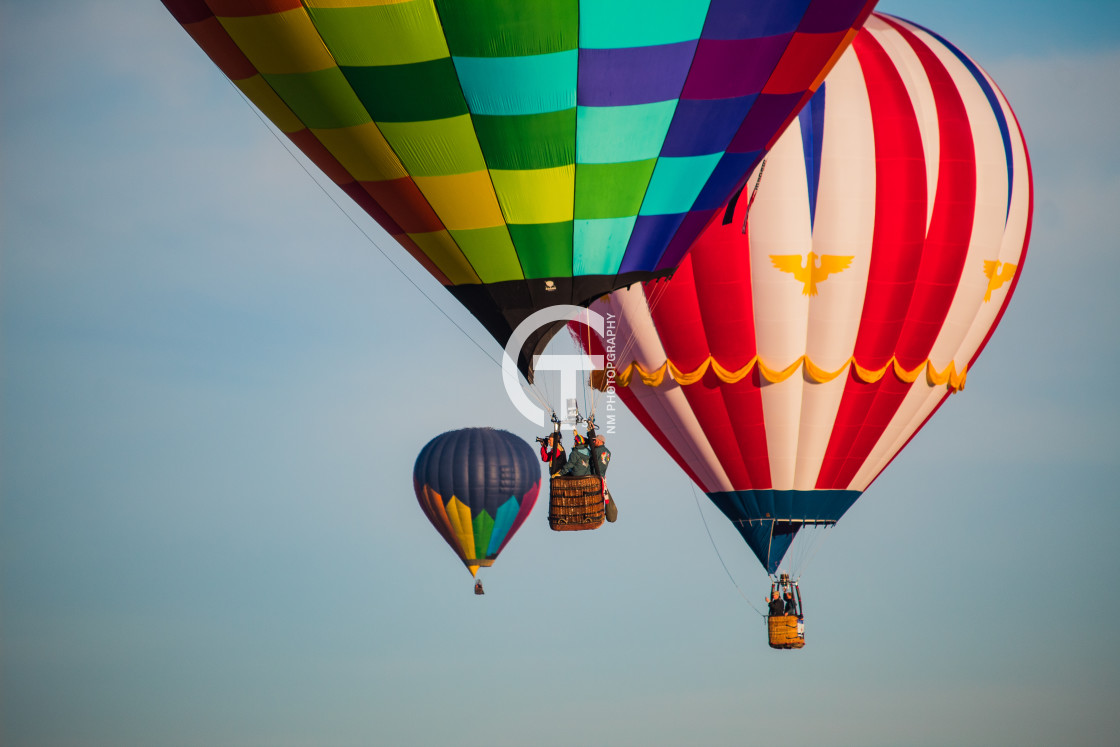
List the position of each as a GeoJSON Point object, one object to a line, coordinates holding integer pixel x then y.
{"type": "Point", "coordinates": [808, 271]}
{"type": "Point", "coordinates": [997, 275]}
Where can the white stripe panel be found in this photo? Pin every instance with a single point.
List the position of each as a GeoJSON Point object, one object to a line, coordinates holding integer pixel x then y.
{"type": "Point", "coordinates": [914, 78]}
{"type": "Point", "coordinates": [781, 312]}
{"type": "Point", "coordinates": [667, 405]}
{"type": "Point", "coordinates": [845, 226]}
{"type": "Point", "coordinates": [1012, 246]}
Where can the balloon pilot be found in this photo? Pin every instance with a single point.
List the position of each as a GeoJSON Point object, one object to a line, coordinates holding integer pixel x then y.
{"type": "Point", "coordinates": [590, 456]}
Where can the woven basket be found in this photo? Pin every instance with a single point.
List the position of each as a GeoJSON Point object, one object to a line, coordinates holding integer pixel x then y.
{"type": "Point", "coordinates": [786, 631]}
{"type": "Point", "coordinates": [575, 503]}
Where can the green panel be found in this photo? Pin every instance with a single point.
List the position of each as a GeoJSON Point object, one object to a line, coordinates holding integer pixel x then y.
{"type": "Point", "coordinates": [490, 251]}
{"type": "Point", "coordinates": [436, 148]}
{"type": "Point", "coordinates": [601, 244]}
{"type": "Point", "coordinates": [610, 24]}
{"type": "Point", "coordinates": [409, 93]}
{"type": "Point", "coordinates": [483, 524]}
{"type": "Point", "coordinates": [545, 249]}
{"type": "Point", "coordinates": [531, 141]}
{"type": "Point", "coordinates": [322, 99]}
{"type": "Point", "coordinates": [509, 28]}
{"type": "Point", "coordinates": [613, 134]}
{"type": "Point", "coordinates": [531, 84]}
{"type": "Point", "coordinates": [611, 190]}
{"type": "Point", "coordinates": [396, 34]}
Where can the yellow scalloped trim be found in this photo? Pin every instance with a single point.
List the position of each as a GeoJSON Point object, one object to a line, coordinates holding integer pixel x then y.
{"type": "Point", "coordinates": [949, 376]}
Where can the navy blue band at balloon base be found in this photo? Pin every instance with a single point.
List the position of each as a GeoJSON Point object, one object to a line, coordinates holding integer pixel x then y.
{"type": "Point", "coordinates": [769, 519]}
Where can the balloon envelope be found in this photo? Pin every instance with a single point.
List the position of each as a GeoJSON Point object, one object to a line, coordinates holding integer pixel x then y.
{"type": "Point", "coordinates": [785, 366]}
{"type": "Point", "coordinates": [530, 154]}
{"type": "Point", "coordinates": [477, 486]}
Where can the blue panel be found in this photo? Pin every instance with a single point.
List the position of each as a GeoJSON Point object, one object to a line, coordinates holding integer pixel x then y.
{"type": "Point", "coordinates": [811, 119]}
{"type": "Point", "coordinates": [702, 126]}
{"type": "Point", "coordinates": [730, 174]}
{"type": "Point", "coordinates": [789, 505]}
{"type": "Point", "coordinates": [734, 19]}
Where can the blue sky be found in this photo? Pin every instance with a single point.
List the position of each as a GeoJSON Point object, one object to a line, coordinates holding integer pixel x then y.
{"type": "Point", "coordinates": [214, 386]}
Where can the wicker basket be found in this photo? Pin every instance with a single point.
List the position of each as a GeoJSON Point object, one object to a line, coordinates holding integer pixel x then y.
{"type": "Point", "coordinates": [575, 503]}
{"type": "Point", "coordinates": [786, 631]}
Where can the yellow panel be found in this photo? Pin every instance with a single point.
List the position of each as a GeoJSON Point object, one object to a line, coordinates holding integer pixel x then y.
{"type": "Point", "coordinates": [272, 106]}
{"type": "Point", "coordinates": [436, 147]}
{"type": "Point", "coordinates": [352, 3]}
{"type": "Point", "coordinates": [464, 201]}
{"type": "Point", "coordinates": [363, 152]}
{"type": "Point", "coordinates": [445, 253]}
{"type": "Point", "coordinates": [460, 515]}
{"type": "Point", "coordinates": [536, 196]}
{"type": "Point", "coordinates": [280, 42]}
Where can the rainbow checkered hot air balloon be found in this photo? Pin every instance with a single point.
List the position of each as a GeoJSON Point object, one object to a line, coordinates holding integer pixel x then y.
{"type": "Point", "coordinates": [530, 153]}
{"type": "Point", "coordinates": [799, 348]}
{"type": "Point", "coordinates": [477, 486]}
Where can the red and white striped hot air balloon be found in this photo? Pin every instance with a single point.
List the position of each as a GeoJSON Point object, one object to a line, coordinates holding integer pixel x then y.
{"type": "Point", "coordinates": [794, 354]}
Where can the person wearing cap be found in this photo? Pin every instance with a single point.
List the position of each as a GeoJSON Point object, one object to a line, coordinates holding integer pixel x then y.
{"type": "Point", "coordinates": [777, 606]}
{"type": "Point", "coordinates": [579, 461]}
{"type": "Point", "coordinates": [552, 451]}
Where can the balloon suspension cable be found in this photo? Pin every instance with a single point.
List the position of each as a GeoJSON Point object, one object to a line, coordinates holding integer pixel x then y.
{"type": "Point", "coordinates": [363, 231]}
{"type": "Point", "coordinates": [713, 541]}
{"type": "Point", "coordinates": [754, 194]}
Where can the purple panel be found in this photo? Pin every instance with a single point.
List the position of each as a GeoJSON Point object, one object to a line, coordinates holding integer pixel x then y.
{"type": "Point", "coordinates": [702, 126]}
{"type": "Point", "coordinates": [690, 228]}
{"type": "Point", "coordinates": [730, 173]}
{"type": "Point", "coordinates": [650, 237]}
{"type": "Point", "coordinates": [770, 111]}
{"type": "Point", "coordinates": [830, 16]}
{"type": "Point", "coordinates": [728, 69]}
{"type": "Point", "coordinates": [633, 75]}
{"type": "Point", "coordinates": [734, 19]}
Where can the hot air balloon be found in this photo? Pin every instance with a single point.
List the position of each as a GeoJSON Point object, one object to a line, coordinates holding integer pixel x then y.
{"type": "Point", "coordinates": [477, 486]}
{"type": "Point", "coordinates": [530, 154]}
{"type": "Point", "coordinates": [800, 347]}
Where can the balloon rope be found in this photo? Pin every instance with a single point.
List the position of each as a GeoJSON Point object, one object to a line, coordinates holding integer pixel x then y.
{"type": "Point", "coordinates": [814, 548]}
{"type": "Point", "coordinates": [713, 541]}
{"type": "Point", "coordinates": [369, 238]}
{"type": "Point", "coordinates": [754, 193]}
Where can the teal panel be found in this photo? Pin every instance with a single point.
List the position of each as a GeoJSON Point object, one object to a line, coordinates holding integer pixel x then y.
{"type": "Point", "coordinates": [600, 245]}
{"type": "Point", "coordinates": [616, 134]}
{"type": "Point", "coordinates": [610, 24]}
{"type": "Point", "coordinates": [509, 28]}
{"type": "Point", "coordinates": [676, 183]}
{"type": "Point", "coordinates": [507, 512]}
{"type": "Point", "coordinates": [519, 85]}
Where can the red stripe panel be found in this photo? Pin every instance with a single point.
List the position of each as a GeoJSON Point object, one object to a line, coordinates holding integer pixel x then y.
{"type": "Point", "coordinates": [722, 275]}
{"type": "Point", "coordinates": [896, 248]}
{"type": "Point", "coordinates": [954, 205]}
{"type": "Point", "coordinates": [943, 256]}
{"type": "Point", "coordinates": [679, 324]}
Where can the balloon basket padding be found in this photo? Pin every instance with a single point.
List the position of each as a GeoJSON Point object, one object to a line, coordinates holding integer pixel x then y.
{"type": "Point", "coordinates": [784, 631]}
{"type": "Point", "coordinates": [575, 503]}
